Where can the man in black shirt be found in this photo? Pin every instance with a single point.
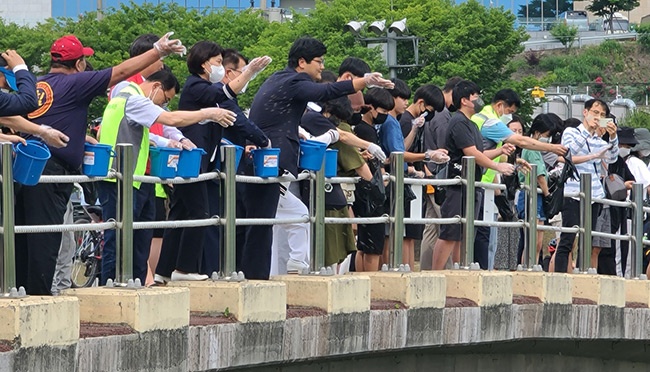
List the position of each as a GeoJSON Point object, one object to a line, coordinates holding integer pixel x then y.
{"type": "Point", "coordinates": [463, 139]}
{"type": "Point", "coordinates": [277, 109]}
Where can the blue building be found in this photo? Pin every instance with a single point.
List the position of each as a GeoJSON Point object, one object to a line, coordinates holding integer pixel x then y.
{"type": "Point", "coordinates": [72, 8]}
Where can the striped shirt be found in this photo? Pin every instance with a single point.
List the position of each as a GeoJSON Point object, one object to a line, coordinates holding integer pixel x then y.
{"type": "Point", "coordinates": [580, 143]}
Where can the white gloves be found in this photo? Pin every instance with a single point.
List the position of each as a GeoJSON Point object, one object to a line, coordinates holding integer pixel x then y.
{"type": "Point", "coordinates": [53, 137]}
{"type": "Point", "coordinates": [257, 65]}
{"type": "Point", "coordinates": [374, 79]}
{"type": "Point", "coordinates": [225, 118]}
{"type": "Point", "coordinates": [436, 156]}
{"type": "Point", "coordinates": [376, 151]}
{"type": "Point", "coordinates": [165, 47]}
{"type": "Point", "coordinates": [419, 121]}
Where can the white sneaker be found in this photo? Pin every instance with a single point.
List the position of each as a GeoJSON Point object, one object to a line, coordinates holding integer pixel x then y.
{"type": "Point", "coordinates": [159, 279]}
{"type": "Point", "coordinates": [296, 267]}
{"type": "Point", "coordinates": [195, 277]}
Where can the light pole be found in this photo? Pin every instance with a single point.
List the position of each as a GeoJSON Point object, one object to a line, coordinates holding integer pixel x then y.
{"type": "Point", "coordinates": [388, 38]}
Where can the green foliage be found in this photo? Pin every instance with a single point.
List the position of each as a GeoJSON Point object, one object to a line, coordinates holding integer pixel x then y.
{"type": "Point", "coordinates": [565, 34]}
{"type": "Point", "coordinates": [637, 119]}
{"type": "Point", "coordinates": [644, 35]}
{"type": "Point", "coordinates": [469, 39]}
{"type": "Point", "coordinates": [587, 65]}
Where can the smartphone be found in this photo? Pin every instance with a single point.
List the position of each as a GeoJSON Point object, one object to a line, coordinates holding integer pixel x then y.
{"type": "Point", "coordinates": [602, 122]}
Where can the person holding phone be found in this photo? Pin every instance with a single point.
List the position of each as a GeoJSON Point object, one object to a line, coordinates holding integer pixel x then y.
{"type": "Point", "coordinates": [589, 150]}
{"type": "Point", "coordinates": [16, 76]}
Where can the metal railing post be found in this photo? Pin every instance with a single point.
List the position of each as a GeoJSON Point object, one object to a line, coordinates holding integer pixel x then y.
{"type": "Point", "coordinates": [469, 176]}
{"type": "Point", "coordinates": [124, 231]}
{"type": "Point", "coordinates": [531, 258]}
{"type": "Point", "coordinates": [8, 256]}
{"type": "Point", "coordinates": [396, 235]}
{"type": "Point", "coordinates": [585, 222]}
{"type": "Point", "coordinates": [229, 262]}
{"type": "Point", "coordinates": [318, 219]}
{"type": "Point", "coordinates": [637, 231]}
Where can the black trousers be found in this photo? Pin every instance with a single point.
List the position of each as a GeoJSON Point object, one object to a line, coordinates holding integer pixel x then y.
{"type": "Point", "coordinates": [36, 254]}
{"type": "Point", "coordinates": [570, 218]}
{"type": "Point", "coordinates": [212, 253]}
{"type": "Point", "coordinates": [182, 248]}
{"type": "Point", "coordinates": [260, 201]}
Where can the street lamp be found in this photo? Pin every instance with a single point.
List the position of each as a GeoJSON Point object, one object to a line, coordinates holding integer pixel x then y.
{"type": "Point", "coordinates": [378, 27]}
{"type": "Point", "coordinates": [388, 38]}
{"type": "Point", "coordinates": [354, 27]}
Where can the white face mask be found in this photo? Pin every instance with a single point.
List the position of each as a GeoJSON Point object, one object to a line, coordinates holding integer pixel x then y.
{"type": "Point", "coordinates": [644, 153]}
{"type": "Point", "coordinates": [624, 151]}
{"type": "Point", "coordinates": [545, 139]}
{"type": "Point", "coordinates": [506, 118]}
{"type": "Point", "coordinates": [216, 73]}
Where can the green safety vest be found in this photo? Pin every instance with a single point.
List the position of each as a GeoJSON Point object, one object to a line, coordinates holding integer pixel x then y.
{"type": "Point", "coordinates": [115, 130]}
{"type": "Point", "coordinates": [479, 119]}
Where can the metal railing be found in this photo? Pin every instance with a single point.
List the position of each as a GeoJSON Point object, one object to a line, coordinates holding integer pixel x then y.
{"type": "Point", "coordinates": [124, 224]}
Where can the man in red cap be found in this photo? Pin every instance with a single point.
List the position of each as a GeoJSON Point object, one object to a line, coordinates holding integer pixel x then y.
{"type": "Point", "coordinates": [64, 95]}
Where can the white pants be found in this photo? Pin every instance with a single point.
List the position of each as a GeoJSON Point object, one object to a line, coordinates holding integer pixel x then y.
{"type": "Point", "coordinates": [289, 241]}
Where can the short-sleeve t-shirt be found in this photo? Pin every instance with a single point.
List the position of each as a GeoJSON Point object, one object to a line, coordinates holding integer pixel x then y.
{"type": "Point", "coordinates": [366, 132]}
{"type": "Point", "coordinates": [463, 133]}
{"type": "Point", "coordinates": [139, 110]}
{"type": "Point", "coordinates": [349, 158]}
{"type": "Point", "coordinates": [533, 157]}
{"type": "Point", "coordinates": [494, 131]}
{"type": "Point", "coordinates": [390, 136]}
{"type": "Point", "coordinates": [63, 101]}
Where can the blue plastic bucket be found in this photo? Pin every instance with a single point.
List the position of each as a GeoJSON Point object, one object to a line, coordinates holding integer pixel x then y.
{"type": "Point", "coordinates": [331, 158]}
{"type": "Point", "coordinates": [265, 162]}
{"type": "Point", "coordinates": [311, 155]}
{"type": "Point", "coordinates": [164, 161]}
{"type": "Point", "coordinates": [29, 162]}
{"type": "Point", "coordinates": [239, 151]}
{"type": "Point", "coordinates": [189, 163]}
{"type": "Point", "coordinates": [96, 159]}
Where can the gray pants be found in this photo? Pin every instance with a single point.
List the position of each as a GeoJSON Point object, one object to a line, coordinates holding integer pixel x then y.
{"type": "Point", "coordinates": [63, 272]}
{"type": "Point", "coordinates": [430, 234]}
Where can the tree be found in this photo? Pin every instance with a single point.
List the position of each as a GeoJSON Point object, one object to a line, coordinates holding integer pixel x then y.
{"type": "Point", "coordinates": [607, 8]}
{"type": "Point", "coordinates": [468, 40]}
{"type": "Point", "coordinates": [565, 34]}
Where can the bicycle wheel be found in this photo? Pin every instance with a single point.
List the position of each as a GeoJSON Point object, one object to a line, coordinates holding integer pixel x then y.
{"type": "Point", "coordinates": [85, 263]}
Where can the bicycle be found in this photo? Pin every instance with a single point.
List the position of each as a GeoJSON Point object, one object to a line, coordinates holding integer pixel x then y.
{"type": "Point", "coordinates": [86, 262]}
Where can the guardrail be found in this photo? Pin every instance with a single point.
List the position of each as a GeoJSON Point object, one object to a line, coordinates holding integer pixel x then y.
{"type": "Point", "coordinates": [579, 41]}
{"type": "Point", "coordinates": [124, 224]}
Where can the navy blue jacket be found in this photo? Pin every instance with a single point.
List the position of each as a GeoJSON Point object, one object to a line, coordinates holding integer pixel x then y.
{"type": "Point", "coordinates": [199, 93]}
{"type": "Point", "coordinates": [280, 103]}
{"type": "Point", "coordinates": [25, 101]}
{"type": "Point", "coordinates": [243, 129]}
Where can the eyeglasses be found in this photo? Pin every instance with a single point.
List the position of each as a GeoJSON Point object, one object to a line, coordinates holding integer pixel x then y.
{"type": "Point", "coordinates": [598, 113]}
{"type": "Point", "coordinates": [167, 99]}
{"type": "Point", "coordinates": [319, 61]}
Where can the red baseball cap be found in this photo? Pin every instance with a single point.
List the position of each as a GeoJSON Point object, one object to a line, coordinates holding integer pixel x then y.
{"type": "Point", "coordinates": [69, 48]}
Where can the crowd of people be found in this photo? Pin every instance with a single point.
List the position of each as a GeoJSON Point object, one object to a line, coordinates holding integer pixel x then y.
{"type": "Point", "coordinates": [355, 111]}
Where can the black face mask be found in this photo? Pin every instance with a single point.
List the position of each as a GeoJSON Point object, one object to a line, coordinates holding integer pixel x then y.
{"type": "Point", "coordinates": [380, 119]}
{"type": "Point", "coordinates": [429, 115]}
{"type": "Point", "coordinates": [451, 108]}
{"type": "Point", "coordinates": [355, 118]}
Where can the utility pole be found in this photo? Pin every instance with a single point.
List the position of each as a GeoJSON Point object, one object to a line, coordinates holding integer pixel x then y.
{"type": "Point", "coordinates": [100, 10]}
